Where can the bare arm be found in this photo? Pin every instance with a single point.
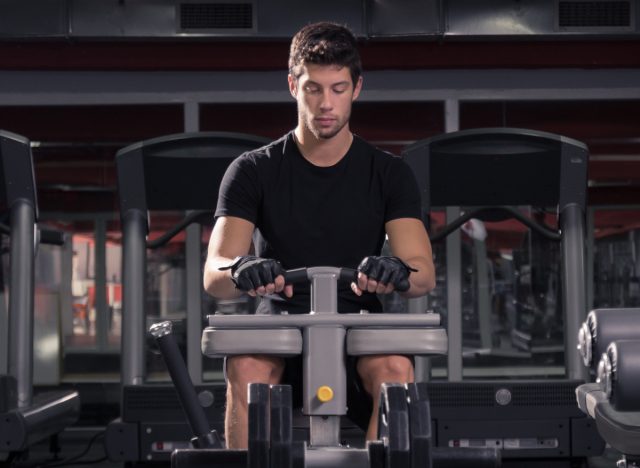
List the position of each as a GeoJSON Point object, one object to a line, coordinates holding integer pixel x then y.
{"type": "Point", "coordinates": [230, 238]}
{"type": "Point", "coordinates": [408, 240]}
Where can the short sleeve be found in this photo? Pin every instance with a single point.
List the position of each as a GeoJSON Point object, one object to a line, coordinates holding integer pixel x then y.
{"type": "Point", "coordinates": [403, 196]}
{"type": "Point", "coordinates": [239, 193]}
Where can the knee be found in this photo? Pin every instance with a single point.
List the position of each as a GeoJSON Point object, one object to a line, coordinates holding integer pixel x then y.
{"type": "Point", "coordinates": [243, 370]}
{"type": "Point", "coordinates": [386, 369]}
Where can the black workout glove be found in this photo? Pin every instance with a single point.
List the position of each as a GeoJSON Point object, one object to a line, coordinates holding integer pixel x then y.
{"type": "Point", "coordinates": [249, 272]}
{"type": "Point", "coordinates": [387, 270]}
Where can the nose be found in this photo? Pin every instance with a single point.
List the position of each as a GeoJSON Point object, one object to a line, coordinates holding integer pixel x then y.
{"type": "Point", "coordinates": [327, 102]}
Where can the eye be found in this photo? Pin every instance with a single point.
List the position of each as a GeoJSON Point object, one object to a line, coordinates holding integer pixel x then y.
{"type": "Point", "coordinates": [312, 89]}
{"type": "Point", "coordinates": [340, 89]}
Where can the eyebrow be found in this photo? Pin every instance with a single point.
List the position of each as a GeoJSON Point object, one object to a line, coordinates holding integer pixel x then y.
{"type": "Point", "coordinates": [339, 83]}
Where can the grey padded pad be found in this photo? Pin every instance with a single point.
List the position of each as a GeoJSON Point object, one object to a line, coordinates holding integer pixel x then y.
{"type": "Point", "coordinates": [424, 341]}
{"type": "Point", "coordinates": [220, 342]}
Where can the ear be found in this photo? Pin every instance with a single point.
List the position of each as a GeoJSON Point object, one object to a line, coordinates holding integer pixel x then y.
{"type": "Point", "coordinates": [357, 89]}
{"type": "Point", "coordinates": [293, 86]}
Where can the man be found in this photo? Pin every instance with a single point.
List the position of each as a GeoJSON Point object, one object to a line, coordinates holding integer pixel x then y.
{"type": "Point", "coordinates": [319, 196]}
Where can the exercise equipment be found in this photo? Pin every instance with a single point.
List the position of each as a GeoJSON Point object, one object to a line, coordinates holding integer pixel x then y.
{"type": "Point", "coordinates": [602, 327]}
{"type": "Point", "coordinates": [179, 172]}
{"type": "Point", "coordinates": [497, 171]}
{"type": "Point", "coordinates": [324, 337]}
{"type": "Point", "coordinates": [613, 401]}
{"type": "Point", "coordinates": [25, 417]}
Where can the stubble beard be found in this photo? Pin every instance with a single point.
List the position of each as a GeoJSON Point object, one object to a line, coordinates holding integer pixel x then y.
{"type": "Point", "coordinates": [323, 134]}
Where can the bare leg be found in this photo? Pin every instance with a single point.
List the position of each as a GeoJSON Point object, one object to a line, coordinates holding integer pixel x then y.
{"type": "Point", "coordinates": [376, 370]}
{"type": "Point", "coordinates": [241, 371]}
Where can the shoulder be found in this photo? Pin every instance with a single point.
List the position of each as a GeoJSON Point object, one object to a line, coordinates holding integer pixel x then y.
{"type": "Point", "coordinates": [270, 152]}
{"type": "Point", "coordinates": [383, 160]}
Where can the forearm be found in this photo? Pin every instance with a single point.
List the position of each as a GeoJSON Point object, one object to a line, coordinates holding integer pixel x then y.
{"type": "Point", "coordinates": [218, 283]}
{"type": "Point", "coordinates": [423, 280]}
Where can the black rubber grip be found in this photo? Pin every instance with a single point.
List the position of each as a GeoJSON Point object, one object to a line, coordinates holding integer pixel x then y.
{"type": "Point", "coordinates": [301, 275]}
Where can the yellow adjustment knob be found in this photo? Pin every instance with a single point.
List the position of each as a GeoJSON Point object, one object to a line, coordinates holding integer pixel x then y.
{"type": "Point", "coordinates": [325, 393]}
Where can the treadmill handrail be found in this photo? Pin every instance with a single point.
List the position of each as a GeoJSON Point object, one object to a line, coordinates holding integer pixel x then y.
{"type": "Point", "coordinates": [512, 212]}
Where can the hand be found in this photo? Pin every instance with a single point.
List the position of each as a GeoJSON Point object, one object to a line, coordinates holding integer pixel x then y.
{"type": "Point", "coordinates": [382, 275]}
{"type": "Point", "coordinates": [258, 276]}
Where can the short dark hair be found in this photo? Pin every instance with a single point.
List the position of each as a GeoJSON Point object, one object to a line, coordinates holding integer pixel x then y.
{"type": "Point", "coordinates": [325, 43]}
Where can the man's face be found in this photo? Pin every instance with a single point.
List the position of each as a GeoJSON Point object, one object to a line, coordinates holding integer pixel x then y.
{"type": "Point", "coordinates": [324, 94]}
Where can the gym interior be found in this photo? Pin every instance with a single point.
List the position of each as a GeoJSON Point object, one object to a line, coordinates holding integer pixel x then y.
{"type": "Point", "coordinates": [521, 122]}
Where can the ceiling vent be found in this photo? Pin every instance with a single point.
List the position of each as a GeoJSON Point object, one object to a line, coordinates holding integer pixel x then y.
{"type": "Point", "coordinates": [207, 17]}
{"type": "Point", "coordinates": [581, 15]}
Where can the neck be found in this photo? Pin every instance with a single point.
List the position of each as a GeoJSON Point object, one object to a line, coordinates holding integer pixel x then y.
{"type": "Point", "coordinates": [323, 152]}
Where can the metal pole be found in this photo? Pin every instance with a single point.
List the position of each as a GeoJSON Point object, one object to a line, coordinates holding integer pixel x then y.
{"type": "Point", "coordinates": [574, 286]}
{"type": "Point", "coordinates": [21, 299]}
{"type": "Point", "coordinates": [134, 254]}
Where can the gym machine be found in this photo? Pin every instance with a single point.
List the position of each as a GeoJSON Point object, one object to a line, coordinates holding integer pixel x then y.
{"type": "Point", "coordinates": [179, 172]}
{"type": "Point", "coordinates": [25, 418]}
{"type": "Point", "coordinates": [323, 337]}
{"type": "Point", "coordinates": [489, 173]}
{"type": "Point", "coordinates": [609, 345]}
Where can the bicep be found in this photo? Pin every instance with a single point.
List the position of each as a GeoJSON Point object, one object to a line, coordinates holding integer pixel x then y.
{"type": "Point", "coordinates": [230, 237]}
{"type": "Point", "coordinates": [408, 238]}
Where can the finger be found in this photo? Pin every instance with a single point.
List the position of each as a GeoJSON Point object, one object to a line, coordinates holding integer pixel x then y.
{"type": "Point", "coordinates": [254, 278]}
{"type": "Point", "coordinates": [357, 291]}
{"type": "Point", "coordinates": [381, 288]}
{"type": "Point", "coordinates": [279, 283]}
{"type": "Point", "coordinates": [372, 285]}
{"type": "Point", "coordinates": [385, 275]}
{"type": "Point", "coordinates": [251, 293]}
{"type": "Point", "coordinates": [266, 275]}
{"type": "Point", "coordinates": [362, 281]}
{"type": "Point", "coordinates": [261, 290]}
{"type": "Point", "coordinates": [270, 288]}
{"type": "Point", "coordinates": [288, 290]}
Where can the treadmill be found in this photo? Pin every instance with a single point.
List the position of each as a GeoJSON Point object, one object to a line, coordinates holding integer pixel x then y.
{"type": "Point", "coordinates": [490, 172]}
{"type": "Point", "coordinates": [180, 172]}
{"type": "Point", "coordinates": [26, 418]}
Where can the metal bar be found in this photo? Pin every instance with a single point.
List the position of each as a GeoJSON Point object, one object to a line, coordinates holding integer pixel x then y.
{"type": "Point", "coordinates": [343, 320]}
{"type": "Point", "coordinates": [574, 286]}
{"type": "Point", "coordinates": [483, 293]}
{"type": "Point", "coordinates": [194, 301]}
{"type": "Point", "coordinates": [100, 283]}
{"type": "Point", "coordinates": [191, 116]}
{"type": "Point", "coordinates": [590, 256]}
{"type": "Point", "coordinates": [22, 215]}
{"type": "Point", "coordinates": [39, 88]}
{"type": "Point", "coordinates": [134, 255]}
{"type": "Point", "coordinates": [454, 299]}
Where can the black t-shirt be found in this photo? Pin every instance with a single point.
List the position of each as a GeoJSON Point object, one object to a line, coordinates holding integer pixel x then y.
{"type": "Point", "coordinates": [307, 215]}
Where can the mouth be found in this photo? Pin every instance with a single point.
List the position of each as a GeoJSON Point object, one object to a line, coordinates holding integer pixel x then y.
{"type": "Point", "coordinates": [325, 121]}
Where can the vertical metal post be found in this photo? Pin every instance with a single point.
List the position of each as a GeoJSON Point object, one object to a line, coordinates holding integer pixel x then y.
{"type": "Point", "coordinates": [483, 293]}
{"type": "Point", "coordinates": [102, 308]}
{"type": "Point", "coordinates": [193, 269]}
{"type": "Point", "coordinates": [591, 246]}
{"type": "Point", "coordinates": [574, 286]}
{"type": "Point", "coordinates": [454, 266]}
{"type": "Point", "coordinates": [454, 299]}
{"type": "Point", "coordinates": [20, 357]}
{"type": "Point", "coordinates": [134, 256]}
